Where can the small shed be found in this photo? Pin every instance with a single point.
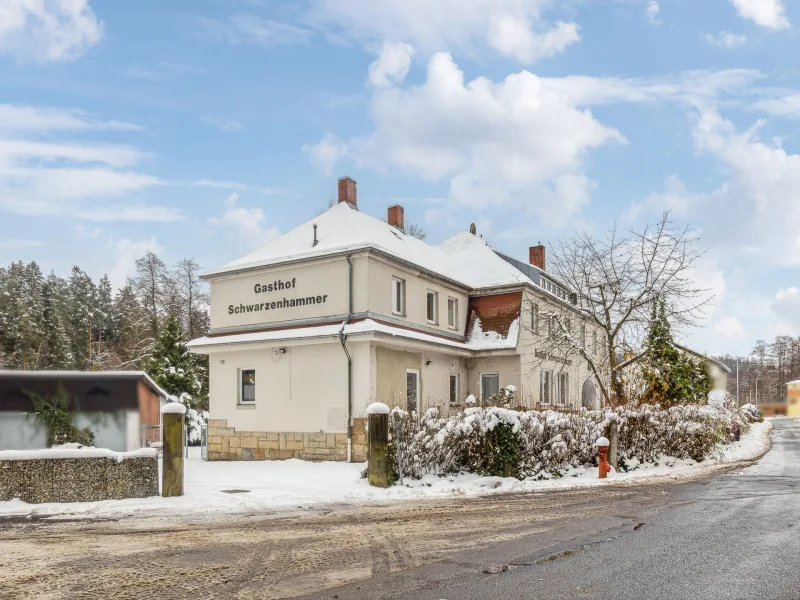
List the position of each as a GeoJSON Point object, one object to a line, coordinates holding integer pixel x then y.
{"type": "Point", "coordinates": [122, 408]}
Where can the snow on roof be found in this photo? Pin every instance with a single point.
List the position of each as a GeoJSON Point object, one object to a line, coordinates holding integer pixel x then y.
{"type": "Point", "coordinates": [475, 262]}
{"type": "Point", "coordinates": [342, 228]}
{"type": "Point", "coordinates": [464, 258]}
{"type": "Point", "coordinates": [87, 374]}
{"type": "Point", "coordinates": [485, 341]}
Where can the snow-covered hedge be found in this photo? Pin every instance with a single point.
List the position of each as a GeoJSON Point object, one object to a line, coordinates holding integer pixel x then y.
{"type": "Point", "coordinates": [498, 441]}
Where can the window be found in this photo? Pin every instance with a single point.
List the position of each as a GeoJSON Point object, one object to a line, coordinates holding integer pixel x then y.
{"type": "Point", "coordinates": [545, 387]}
{"type": "Point", "coordinates": [568, 325]}
{"type": "Point", "coordinates": [398, 296]}
{"type": "Point", "coordinates": [412, 391]}
{"type": "Point", "coordinates": [247, 389]}
{"type": "Point", "coordinates": [583, 336]}
{"type": "Point", "coordinates": [432, 307]}
{"type": "Point", "coordinates": [594, 341]}
{"type": "Point", "coordinates": [550, 320]}
{"type": "Point", "coordinates": [490, 385]}
{"type": "Point", "coordinates": [535, 319]}
{"type": "Point", "coordinates": [453, 389]}
{"type": "Point", "coordinates": [563, 389]}
{"type": "Point", "coordinates": [452, 313]}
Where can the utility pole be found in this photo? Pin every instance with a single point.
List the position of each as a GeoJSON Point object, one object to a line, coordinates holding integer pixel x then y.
{"type": "Point", "coordinates": [737, 382]}
{"type": "Point", "coordinates": [757, 379]}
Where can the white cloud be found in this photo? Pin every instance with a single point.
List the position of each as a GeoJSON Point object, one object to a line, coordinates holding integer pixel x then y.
{"type": "Point", "coordinates": [729, 327]}
{"type": "Point", "coordinates": [126, 253]}
{"type": "Point", "coordinates": [163, 71]}
{"type": "Point", "coordinates": [787, 306]}
{"type": "Point", "coordinates": [14, 243]}
{"type": "Point", "coordinates": [691, 87]}
{"type": "Point", "coordinates": [517, 142]}
{"type": "Point", "coordinates": [47, 30]}
{"type": "Point", "coordinates": [326, 153]}
{"type": "Point", "coordinates": [782, 106]}
{"type": "Point", "coordinates": [767, 13]}
{"type": "Point", "coordinates": [245, 29]}
{"type": "Point", "coordinates": [245, 224]}
{"type": "Point", "coordinates": [726, 39]}
{"type": "Point", "coordinates": [74, 178]}
{"type": "Point", "coordinates": [227, 126]}
{"type": "Point", "coordinates": [516, 37]}
{"type": "Point", "coordinates": [513, 28]}
{"type": "Point", "coordinates": [20, 118]}
{"type": "Point", "coordinates": [651, 12]}
{"type": "Point", "coordinates": [391, 67]}
{"type": "Point", "coordinates": [752, 217]}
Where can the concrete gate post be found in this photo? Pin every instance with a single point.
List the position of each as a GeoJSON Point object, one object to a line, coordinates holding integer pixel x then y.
{"type": "Point", "coordinates": [613, 437]}
{"type": "Point", "coordinates": [172, 418]}
{"type": "Point", "coordinates": [378, 440]}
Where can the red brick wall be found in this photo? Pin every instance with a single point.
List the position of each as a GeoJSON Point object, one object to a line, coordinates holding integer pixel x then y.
{"type": "Point", "coordinates": [496, 312]}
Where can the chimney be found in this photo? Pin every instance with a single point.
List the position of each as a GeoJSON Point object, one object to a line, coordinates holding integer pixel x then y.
{"type": "Point", "coordinates": [347, 191]}
{"type": "Point", "coordinates": [536, 256]}
{"type": "Point", "coordinates": [396, 217]}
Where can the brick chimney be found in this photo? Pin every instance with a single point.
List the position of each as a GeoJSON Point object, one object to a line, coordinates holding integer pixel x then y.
{"type": "Point", "coordinates": [396, 217]}
{"type": "Point", "coordinates": [536, 256]}
{"type": "Point", "coordinates": [347, 191]}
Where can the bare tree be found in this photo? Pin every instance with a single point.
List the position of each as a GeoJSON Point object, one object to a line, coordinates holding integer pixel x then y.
{"type": "Point", "coordinates": [150, 283]}
{"type": "Point", "coordinates": [612, 283]}
{"type": "Point", "coordinates": [416, 231]}
{"type": "Point", "coordinates": [194, 297]}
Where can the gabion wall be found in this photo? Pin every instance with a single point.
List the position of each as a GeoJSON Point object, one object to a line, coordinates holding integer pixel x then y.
{"type": "Point", "coordinates": [78, 479]}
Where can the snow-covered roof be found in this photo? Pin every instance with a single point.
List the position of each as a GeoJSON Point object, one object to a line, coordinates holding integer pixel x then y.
{"type": "Point", "coordinates": [478, 340]}
{"type": "Point", "coordinates": [341, 228]}
{"type": "Point", "coordinates": [87, 374]}
{"type": "Point", "coordinates": [464, 258]}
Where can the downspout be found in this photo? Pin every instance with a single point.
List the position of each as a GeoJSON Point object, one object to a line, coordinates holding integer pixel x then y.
{"type": "Point", "coordinates": [343, 341]}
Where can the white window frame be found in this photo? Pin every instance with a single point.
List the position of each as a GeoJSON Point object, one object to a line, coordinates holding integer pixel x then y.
{"type": "Point", "coordinates": [489, 374]}
{"type": "Point", "coordinates": [240, 381]}
{"type": "Point", "coordinates": [454, 323]}
{"type": "Point", "coordinates": [583, 336]}
{"type": "Point", "coordinates": [435, 294]}
{"type": "Point", "coordinates": [419, 395]}
{"type": "Point", "coordinates": [549, 401]}
{"type": "Point", "coordinates": [454, 400]}
{"type": "Point", "coordinates": [399, 310]}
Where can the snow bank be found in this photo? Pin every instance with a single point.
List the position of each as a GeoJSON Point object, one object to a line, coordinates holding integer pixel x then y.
{"type": "Point", "coordinates": [74, 451]}
{"type": "Point", "coordinates": [294, 484]}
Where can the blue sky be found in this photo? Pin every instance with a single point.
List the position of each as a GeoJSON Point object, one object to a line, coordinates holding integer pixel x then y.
{"type": "Point", "coordinates": [206, 127]}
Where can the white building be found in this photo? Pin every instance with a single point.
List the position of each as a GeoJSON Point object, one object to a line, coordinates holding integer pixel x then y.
{"type": "Point", "coordinates": [347, 309]}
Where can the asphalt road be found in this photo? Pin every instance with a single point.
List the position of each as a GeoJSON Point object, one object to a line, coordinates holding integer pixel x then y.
{"type": "Point", "coordinates": [736, 536]}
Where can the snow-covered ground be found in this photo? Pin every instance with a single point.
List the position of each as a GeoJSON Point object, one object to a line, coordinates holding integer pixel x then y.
{"type": "Point", "coordinates": [257, 488]}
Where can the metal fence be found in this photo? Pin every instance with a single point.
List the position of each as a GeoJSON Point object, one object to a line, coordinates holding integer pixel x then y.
{"type": "Point", "coordinates": [204, 442]}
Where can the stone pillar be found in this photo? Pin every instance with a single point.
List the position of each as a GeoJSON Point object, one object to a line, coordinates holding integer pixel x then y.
{"type": "Point", "coordinates": [172, 418]}
{"type": "Point", "coordinates": [378, 440]}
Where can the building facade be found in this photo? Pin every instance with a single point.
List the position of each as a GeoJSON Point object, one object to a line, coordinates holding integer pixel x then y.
{"type": "Point", "coordinates": [348, 309]}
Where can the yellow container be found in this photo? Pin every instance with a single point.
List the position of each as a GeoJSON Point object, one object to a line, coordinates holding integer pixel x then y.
{"type": "Point", "coordinates": [793, 399]}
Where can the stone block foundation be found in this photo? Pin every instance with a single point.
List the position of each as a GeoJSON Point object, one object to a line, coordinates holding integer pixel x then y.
{"type": "Point", "coordinates": [226, 443]}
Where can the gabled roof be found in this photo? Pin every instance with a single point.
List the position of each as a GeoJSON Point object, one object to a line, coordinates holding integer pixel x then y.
{"type": "Point", "coordinates": [464, 258]}
{"type": "Point", "coordinates": [714, 361]}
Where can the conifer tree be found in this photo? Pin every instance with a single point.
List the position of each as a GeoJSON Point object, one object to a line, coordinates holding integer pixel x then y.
{"type": "Point", "coordinates": [171, 365]}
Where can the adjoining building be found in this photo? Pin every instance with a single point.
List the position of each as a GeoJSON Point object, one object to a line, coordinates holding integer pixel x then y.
{"type": "Point", "coordinates": [631, 371]}
{"type": "Point", "coordinates": [122, 408]}
{"type": "Point", "coordinates": [793, 399]}
{"type": "Point", "coordinates": [348, 309]}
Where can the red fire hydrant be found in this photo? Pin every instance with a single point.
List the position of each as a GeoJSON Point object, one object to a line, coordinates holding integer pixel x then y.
{"type": "Point", "coordinates": [602, 454]}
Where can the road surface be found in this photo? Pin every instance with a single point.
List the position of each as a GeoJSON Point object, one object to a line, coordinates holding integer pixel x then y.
{"type": "Point", "coordinates": [731, 536]}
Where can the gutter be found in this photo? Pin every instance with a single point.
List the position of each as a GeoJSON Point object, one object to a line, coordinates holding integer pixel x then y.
{"type": "Point", "coordinates": [343, 342]}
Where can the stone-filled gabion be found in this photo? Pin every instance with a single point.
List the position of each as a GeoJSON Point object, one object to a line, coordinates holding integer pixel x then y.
{"type": "Point", "coordinates": [78, 479]}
